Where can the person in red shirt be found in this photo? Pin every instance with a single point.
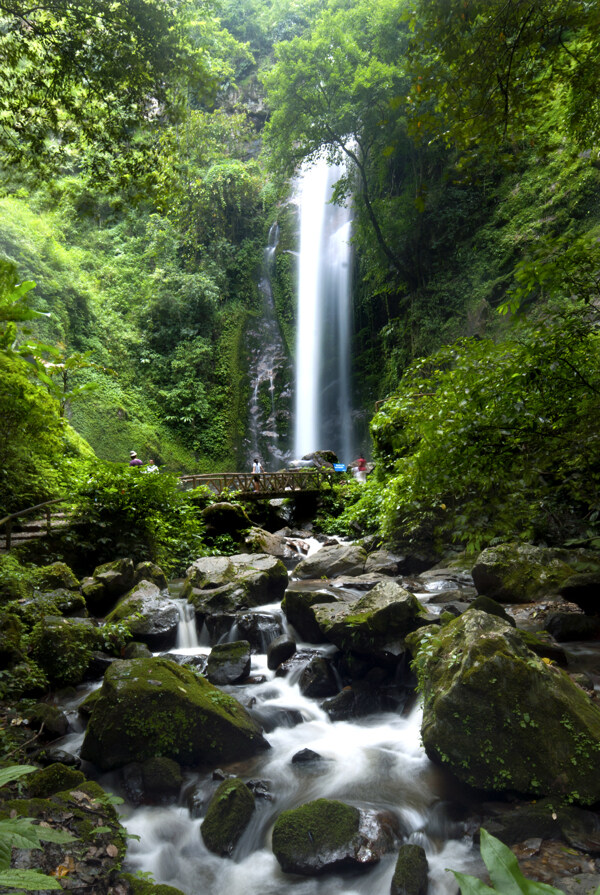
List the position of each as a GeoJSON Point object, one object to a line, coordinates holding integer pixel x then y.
{"type": "Point", "coordinates": [361, 469]}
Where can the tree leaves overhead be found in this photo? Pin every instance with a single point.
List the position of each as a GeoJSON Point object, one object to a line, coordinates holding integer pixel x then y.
{"type": "Point", "coordinates": [81, 73]}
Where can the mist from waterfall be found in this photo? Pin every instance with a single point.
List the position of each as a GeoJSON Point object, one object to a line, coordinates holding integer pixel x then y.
{"type": "Point", "coordinates": [323, 418]}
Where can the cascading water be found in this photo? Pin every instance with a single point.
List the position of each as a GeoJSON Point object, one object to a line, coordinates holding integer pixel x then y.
{"type": "Point", "coordinates": [270, 376]}
{"type": "Point", "coordinates": [323, 418]}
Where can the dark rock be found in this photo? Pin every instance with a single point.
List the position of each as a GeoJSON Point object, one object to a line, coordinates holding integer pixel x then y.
{"type": "Point", "coordinates": [259, 629]}
{"type": "Point", "coordinates": [136, 650]}
{"type": "Point", "coordinates": [10, 639]}
{"type": "Point", "coordinates": [486, 604]}
{"type": "Point", "coordinates": [56, 777]}
{"type": "Point", "coordinates": [327, 835]}
{"type": "Point", "coordinates": [410, 875]}
{"type": "Point", "coordinates": [306, 755]}
{"type": "Point", "coordinates": [229, 663]}
{"type": "Point", "coordinates": [56, 576]}
{"type": "Point", "coordinates": [270, 717]}
{"type": "Point", "coordinates": [227, 817]}
{"type": "Point", "coordinates": [116, 576]}
{"type": "Point", "coordinates": [583, 589]}
{"type": "Point", "coordinates": [153, 707]}
{"type": "Point", "coordinates": [298, 605]}
{"type": "Point", "coordinates": [260, 789]}
{"type": "Point", "coordinates": [566, 626]}
{"type": "Point", "coordinates": [317, 679]}
{"type": "Point", "coordinates": [279, 651]}
{"type": "Point", "coordinates": [54, 755]}
{"type": "Point", "coordinates": [225, 518]}
{"type": "Point", "coordinates": [385, 563]}
{"type": "Point", "coordinates": [154, 781]}
{"type": "Point", "coordinates": [98, 664]}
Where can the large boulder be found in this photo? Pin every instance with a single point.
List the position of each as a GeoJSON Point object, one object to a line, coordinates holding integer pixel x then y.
{"type": "Point", "coordinates": [520, 573]}
{"type": "Point", "coordinates": [150, 707]}
{"type": "Point", "coordinates": [108, 582]}
{"type": "Point", "coordinates": [149, 571]}
{"type": "Point", "coordinates": [225, 518]}
{"type": "Point", "coordinates": [377, 622]}
{"type": "Point", "coordinates": [63, 648]}
{"type": "Point", "coordinates": [330, 562]}
{"type": "Point", "coordinates": [227, 816]}
{"type": "Point", "coordinates": [56, 575]}
{"type": "Point", "coordinates": [327, 835]}
{"type": "Point", "coordinates": [151, 618]}
{"type": "Point", "coordinates": [499, 717]}
{"type": "Point", "coordinates": [260, 541]}
{"type": "Point", "coordinates": [583, 589]}
{"type": "Point", "coordinates": [215, 583]}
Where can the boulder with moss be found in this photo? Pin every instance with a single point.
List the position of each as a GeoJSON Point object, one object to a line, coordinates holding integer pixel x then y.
{"type": "Point", "coordinates": [501, 718]}
{"type": "Point", "coordinates": [153, 707]}
{"type": "Point", "coordinates": [11, 630]}
{"type": "Point", "coordinates": [520, 573]}
{"type": "Point", "coordinates": [108, 582]}
{"type": "Point", "coordinates": [374, 624]}
{"type": "Point", "coordinates": [151, 618]}
{"type": "Point", "coordinates": [260, 541]}
{"type": "Point", "coordinates": [63, 648]}
{"type": "Point", "coordinates": [232, 583]}
{"type": "Point", "coordinates": [61, 602]}
{"type": "Point", "coordinates": [55, 778]}
{"type": "Point", "coordinates": [137, 886]}
{"type": "Point", "coordinates": [91, 861]}
{"type": "Point", "coordinates": [328, 835]}
{"type": "Point", "coordinates": [149, 571]}
{"type": "Point", "coordinates": [55, 576]}
{"type": "Point", "coordinates": [298, 605]}
{"type": "Point", "coordinates": [229, 663]}
{"type": "Point", "coordinates": [227, 816]}
{"type": "Point", "coordinates": [225, 518]}
{"type": "Point", "coordinates": [333, 561]}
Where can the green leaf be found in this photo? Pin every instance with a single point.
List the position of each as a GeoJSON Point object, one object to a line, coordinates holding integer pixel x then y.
{"type": "Point", "coordinates": [7, 775]}
{"type": "Point", "coordinates": [27, 879]}
{"type": "Point", "coordinates": [505, 872]}
{"type": "Point", "coordinates": [470, 885]}
{"type": "Point", "coordinates": [5, 854]}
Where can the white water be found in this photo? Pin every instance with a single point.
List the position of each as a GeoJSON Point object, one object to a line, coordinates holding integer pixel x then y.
{"type": "Point", "coordinates": [373, 763]}
{"type": "Point", "coordinates": [323, 405]}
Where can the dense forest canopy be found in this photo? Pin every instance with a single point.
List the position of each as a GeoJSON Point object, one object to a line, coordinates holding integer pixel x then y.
{"type": "Point", "coordinates": [146, 148]}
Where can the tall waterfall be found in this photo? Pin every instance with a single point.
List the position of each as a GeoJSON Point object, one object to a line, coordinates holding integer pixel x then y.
{"type": "Point", "coordinates": [323, 404]}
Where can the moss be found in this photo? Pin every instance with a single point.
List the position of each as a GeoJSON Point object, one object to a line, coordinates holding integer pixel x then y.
{"type": "Point", "coordinates": [10, 639]}
{"type": "Point", "coordinates": [63, 648]}
{"type": "Point", "coordinates": [410, 873]}
{"type": "Point", "coordinates": [55, 778]}
{"type": "Point", "coordinates": [54, 576]}
{"type": "Point", "coordinates": [302, 833]}
{"type": "Point", "coordinates": [144, 887]}
{"type": "Point", "coordinates": [227, 816]}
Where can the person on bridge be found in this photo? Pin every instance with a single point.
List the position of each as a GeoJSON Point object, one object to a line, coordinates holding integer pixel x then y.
{"type": "Point", "coordinates": [257, 470]}
{"type": "Point", "coordinates": [135, 460]}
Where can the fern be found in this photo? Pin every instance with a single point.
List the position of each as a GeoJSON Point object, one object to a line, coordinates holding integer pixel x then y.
{"type": "Point", "coordinates": [21, 832]}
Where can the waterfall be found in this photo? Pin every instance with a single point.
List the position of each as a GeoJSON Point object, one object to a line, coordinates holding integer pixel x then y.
{"type": "Point", "coordinates": [269, 374]}
{"type": "Point", "coordinates": [323, 418]}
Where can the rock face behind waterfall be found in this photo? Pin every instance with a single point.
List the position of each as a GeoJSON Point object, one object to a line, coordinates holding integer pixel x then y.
{"type": "Point", "coordinates": [149, 707]}
{"type": "Point", "coordinates": [500, 717]}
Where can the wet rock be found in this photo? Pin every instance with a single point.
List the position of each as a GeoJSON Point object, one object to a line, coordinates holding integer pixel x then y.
{"type": "Point", "coordinates": [298, 605]}
{"type": "Point", "coordinates": [384, 563]}
{"type": "Point", "coordinates": [151, 618]}
{"type": "Point", "coordinates": [55, 755]}
{"type": "Point", "coordinates": [154, 781]}
{"type": "Point", "coordinates": [358, 701]}
{"type": "Point", "coordinates": [48, 719]}
{"type": "Point", "coordinates": [327, 835]}
{"type": "Point", "coordinates": [270, 717]}
{"type": "Point", "coordinates": [260, 789]}
{"type": "Point", "coordinates": [501, 718]}
{"type": "Point", "coordinates": [227, 817]}
{"type": "Point", "coordinates": [519, 573]}
{"type": "Point", "coordinates": [329, 562]}
{"type": "Point", "coordinates": [98, 664]}
{"type": "Point", "coordinates": [151, 707]}
{"type": "Point", "coordinates": [410, 874]}
{"type": "Point", "coordinates": [136, 650]}
{"type": "Point", "coordinates": [279, 651]}
{"type": "Point", "coordinates": [116, 577]}
{"type": "Point", "coordinates": [306, 755]}
{"type": "Point", "coordinates": [260, 541]}
{"type": "Point", "coordinates": [583, 589]}
{"type": "Point", "coordinates": [259, 629]}
{"type": "Point", "coordinates": [149, 571]}
{"type": "Point", "coordinates": [229, 663]}
{"type": "Point", "coordinates": [318, 679]}
{"type": "Point", "coordinates": [565, 626]}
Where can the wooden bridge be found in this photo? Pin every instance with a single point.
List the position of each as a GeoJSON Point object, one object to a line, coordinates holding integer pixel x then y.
{"type": "Point", "coordinates": [271, 484]}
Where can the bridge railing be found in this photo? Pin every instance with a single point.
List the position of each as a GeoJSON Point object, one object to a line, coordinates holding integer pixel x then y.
{"type": "Point", "coordinates": [269, 482]}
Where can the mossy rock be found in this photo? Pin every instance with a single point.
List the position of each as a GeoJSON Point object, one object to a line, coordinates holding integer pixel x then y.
{"type": "Point", "coordinates": [502, 719]}
{"type": "Point", "coordinates": [235, 582]}
{"type": "Point", "coordinates": [48, 718]}
{"type": "Point", "coordinates": [227, 816]}
{"type": "Point", "coordinates": [151, 618]}
{"type": "Point", "coordinates": [298, 604]}
{"type": "Point", "coordinates": [154, 707]}
{"type": "Point", "coordinates": [149, 571]}
{"type": "Point", "coordinates": [376, 622]}
{"type": "Point", "coordinates": [139, 886]}
{"type": "Point", "coordinates": [63, 648]}
{"type": "Point", "coordinates": [229, 663]}
{"type": "Point", "coordinates": [410, 873]}
{"type": "Point", "coordinates": [55, 778]}
{"type": "Point", "coordinates": [327, 835]}
{"type": "Point", "coordinates": [225, 518]}
{"type": "Point", "coordinates": [520, 573]}
{"type": "Point", "coordinates": [486, 604]}
{"type": "Point", "coordinates": [95, 855]}
{"type": "Point", "coordinates": [10, 639]}
{"type": "Point", "coordinates": [56, 576]}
